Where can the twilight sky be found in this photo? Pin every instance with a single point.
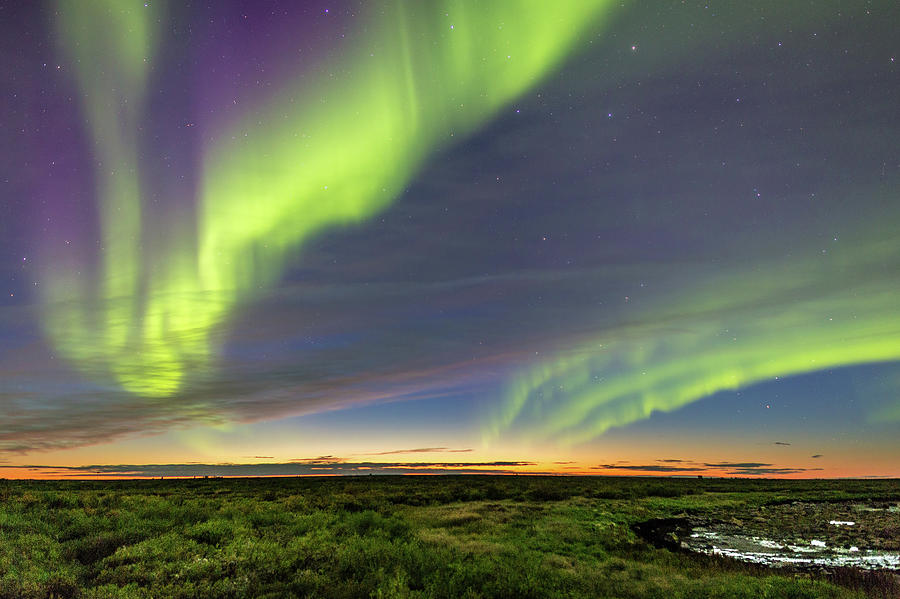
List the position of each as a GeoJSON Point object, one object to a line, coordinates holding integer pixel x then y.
{"type": "Point", "coordinates": [346, 237]}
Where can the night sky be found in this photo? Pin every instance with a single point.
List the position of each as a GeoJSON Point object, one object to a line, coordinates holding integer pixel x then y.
{"type": "Point", "coordinates": [262, 238]}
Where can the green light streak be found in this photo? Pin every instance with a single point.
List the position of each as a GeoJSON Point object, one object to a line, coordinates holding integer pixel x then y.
{"type": "Point", "coordinates": [111, 44]}
{"type": "Point", "coordinates": [752, 326]}
{"type": "Point", "coordinates": [317, 155]}
{"type": "Point", "coordinates": [343, 153]}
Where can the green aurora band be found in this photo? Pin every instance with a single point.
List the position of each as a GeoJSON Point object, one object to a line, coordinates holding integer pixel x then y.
{"type": "Point", "coordinates": [314, 156]}
{"type": "Point", "coordinates": [770, 317]}
{"type": "Point", "coordinates": [775, 319]}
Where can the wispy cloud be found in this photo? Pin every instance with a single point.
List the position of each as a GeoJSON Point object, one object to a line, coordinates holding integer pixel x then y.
{"type": "Point", "coordinates": [322, 459]}
{"type": "Point", "coordinates": [725, 468]}
{"type": "Point", "coordinates": [352, 355]}
{"type": "Point", "coordinates": [645, 468]}
{"type": "Point", "coordinates": [737, 465]}
{"type": "Point", "coordinates": [420, 450]}
{"type": "Point", "coordinates": [780, 443]}
{"type": "Point", "coordinates": [311, 467]}
{"type": "Point", "coordinates": [759, 471]}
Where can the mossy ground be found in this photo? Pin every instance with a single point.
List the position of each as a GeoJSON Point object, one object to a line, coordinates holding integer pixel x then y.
{"type": "Point", "coordinates": [394, 537]}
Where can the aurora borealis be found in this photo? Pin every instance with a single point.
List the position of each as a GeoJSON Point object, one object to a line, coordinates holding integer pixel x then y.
{"type": "Point", "coordinates": [584, 236]}
{"type": "Point", "coordinates": [299, 163]}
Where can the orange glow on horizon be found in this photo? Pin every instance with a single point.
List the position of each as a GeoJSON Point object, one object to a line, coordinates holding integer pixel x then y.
{"type": "Point", "coordinates": [401, 468]}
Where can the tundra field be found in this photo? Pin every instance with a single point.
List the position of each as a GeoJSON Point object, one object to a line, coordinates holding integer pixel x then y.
{"type": "Point", "coordinates": [450, 536]}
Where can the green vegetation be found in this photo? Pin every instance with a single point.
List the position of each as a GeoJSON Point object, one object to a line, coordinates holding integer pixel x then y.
{"type": "Point", "coordinates": [375, 536]}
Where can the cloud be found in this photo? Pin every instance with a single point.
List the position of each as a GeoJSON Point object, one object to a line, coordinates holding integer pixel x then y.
{"type": "Point", "coordinates": [420, 450]}
{"type": "Point", "coordinates": [353, 354]}
{"type": "Point", "coordinates": [759, 471]}
{"type": "Point", "coordinates": [737, 465]}
{"type": "Point", "coordinates": [646, 468]}
{"type": "Point", "coordinates": [780, 443]}
{"type": "Point", "coordinates": [818, 455]}
{"type": "Point", "coordinates": [310, 467]}
{"type": "Point", "coordinates": [730, 468]}
{"type": "Point", "coordinates": [47, 409]}
{"type": "Point", "coordinates": [331, 465]}
{"type": "Point", "coordinates": [322, 459]}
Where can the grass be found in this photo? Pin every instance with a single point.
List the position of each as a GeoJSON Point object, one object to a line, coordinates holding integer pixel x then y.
{"type": "Point", "coordinates": [393, 537]}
